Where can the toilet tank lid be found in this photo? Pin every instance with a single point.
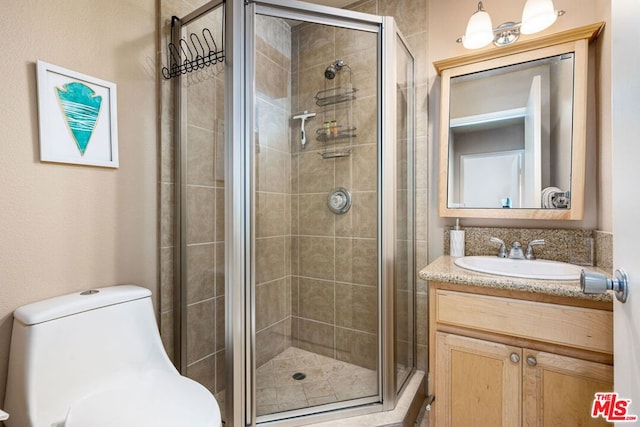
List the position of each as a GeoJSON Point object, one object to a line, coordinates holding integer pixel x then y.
{"type": "Point", "coordinates": [68, 305]}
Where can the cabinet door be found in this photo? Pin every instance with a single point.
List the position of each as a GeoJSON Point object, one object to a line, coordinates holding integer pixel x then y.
{"type": "Point", "coordinates": [559, 390]}
{"type": "Point", "coordinates": [477, 382]}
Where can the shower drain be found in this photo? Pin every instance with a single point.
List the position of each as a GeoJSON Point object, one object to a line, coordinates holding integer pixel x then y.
{"type": "Point", "coordinates": [299, 376]}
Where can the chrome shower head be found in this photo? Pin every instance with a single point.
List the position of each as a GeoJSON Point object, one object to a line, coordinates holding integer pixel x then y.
{"type": "Point", "coordinates": [331, 70]}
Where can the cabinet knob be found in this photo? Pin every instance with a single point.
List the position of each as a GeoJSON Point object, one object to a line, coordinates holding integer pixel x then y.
{"type": "Point", "coordinates": [515, 358]}
{"type": "Point", "coordinates": [531, 361]}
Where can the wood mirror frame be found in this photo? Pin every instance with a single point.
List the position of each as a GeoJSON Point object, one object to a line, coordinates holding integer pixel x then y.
{"type": "Point", "coordinates": [575, 40]}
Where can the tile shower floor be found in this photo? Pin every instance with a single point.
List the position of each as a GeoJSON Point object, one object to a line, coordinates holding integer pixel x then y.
{"type": "Point", "coordinates": [326, 380]}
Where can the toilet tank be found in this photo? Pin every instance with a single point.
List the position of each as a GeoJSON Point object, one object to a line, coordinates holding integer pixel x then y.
{"type": "Point", "coordinates": [66, 347]}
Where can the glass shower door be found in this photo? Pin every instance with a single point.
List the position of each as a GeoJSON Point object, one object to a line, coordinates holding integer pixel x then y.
{"type": "Point", "coordinates": [329, 150]}
{"type": "Point", "coordinates": [315, 204]}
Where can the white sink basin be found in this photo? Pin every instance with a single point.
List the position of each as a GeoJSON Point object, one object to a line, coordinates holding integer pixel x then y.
{"type": "Point", "coordinates": [536, 269]}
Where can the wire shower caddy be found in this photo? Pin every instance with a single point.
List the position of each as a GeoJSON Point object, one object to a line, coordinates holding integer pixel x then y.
{"type": "Point", "coordinates": [337, 139]}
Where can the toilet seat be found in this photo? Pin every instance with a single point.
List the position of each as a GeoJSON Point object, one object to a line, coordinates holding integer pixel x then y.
{"type": "Point", "coordinates": [152, 399]}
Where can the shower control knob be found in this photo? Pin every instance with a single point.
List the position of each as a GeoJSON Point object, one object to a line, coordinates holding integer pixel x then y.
{"type": "Point", "coordinates": [339, 200]}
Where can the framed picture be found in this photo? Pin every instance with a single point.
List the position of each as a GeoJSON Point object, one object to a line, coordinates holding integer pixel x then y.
{"type": "Point", "coordinates": [77, 117]}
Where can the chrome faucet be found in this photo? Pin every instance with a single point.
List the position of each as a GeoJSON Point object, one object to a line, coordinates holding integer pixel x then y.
{"type": "Point", "coordinates": [516, 251]}
{"type": "Point", "coordinates": [529, 253]}
{"type": "Point", "coordinates": [502, 252]}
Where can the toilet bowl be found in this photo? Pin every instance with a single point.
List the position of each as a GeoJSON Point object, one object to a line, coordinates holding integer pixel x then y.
{"type": "Point", "coordinates": [168, 401]}
{"type": "Point", "coordinates": [96, 359]}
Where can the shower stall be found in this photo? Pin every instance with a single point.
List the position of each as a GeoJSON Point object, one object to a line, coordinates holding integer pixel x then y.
{"type": "Point", "coordinates": [294, 211]}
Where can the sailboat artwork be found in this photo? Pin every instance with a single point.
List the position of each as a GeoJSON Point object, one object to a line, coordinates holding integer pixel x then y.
{"type": "Point", "coordinates": [80, 107]}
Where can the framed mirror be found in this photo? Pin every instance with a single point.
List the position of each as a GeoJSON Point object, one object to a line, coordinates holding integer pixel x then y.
{"type": "Point", "coordinates": [513, 129]}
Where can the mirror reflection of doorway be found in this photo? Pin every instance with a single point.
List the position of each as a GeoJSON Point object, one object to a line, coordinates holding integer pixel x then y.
{"type": "Point", "coordinates": [490, 178]}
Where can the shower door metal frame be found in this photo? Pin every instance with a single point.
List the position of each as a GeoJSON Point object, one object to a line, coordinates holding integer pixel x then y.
{"type": "Point", "coordinates": [237, 218]}
{"type": "Point", "coordinates": [290, 9]}
{"type": "Point", "coordinates": [387, 208]}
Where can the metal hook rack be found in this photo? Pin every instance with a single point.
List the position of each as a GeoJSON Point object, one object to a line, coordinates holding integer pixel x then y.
{"type": "Point", "coordinates": [191, 54]}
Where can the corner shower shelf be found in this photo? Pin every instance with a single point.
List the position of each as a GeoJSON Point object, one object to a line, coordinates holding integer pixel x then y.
{"type": "Point", "coordinates": [335, 96]}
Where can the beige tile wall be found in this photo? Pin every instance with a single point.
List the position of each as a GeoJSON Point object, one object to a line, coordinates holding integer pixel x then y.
{"type": "Point", "coordinates": [411, 17]}
{"type": "Point", "coordinates": [334, 257]}
{"type": "Point", "coordinates": [349, 242]}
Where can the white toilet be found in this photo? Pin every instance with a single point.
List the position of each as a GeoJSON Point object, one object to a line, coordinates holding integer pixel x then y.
{"type": "Point", "coordinates": [95, 359]}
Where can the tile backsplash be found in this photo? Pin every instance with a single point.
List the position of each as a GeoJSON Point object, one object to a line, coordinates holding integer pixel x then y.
{"type": "Point", "coordinates": [581, 247]}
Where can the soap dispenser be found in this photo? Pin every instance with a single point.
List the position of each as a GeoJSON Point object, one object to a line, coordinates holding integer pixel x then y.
{"type": "Point", "coordinates": [456, 241]}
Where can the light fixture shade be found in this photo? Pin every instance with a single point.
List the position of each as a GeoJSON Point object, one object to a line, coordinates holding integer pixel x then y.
{"type": "Point", "coordinates": [537, 16]}
{"type": "Point", "coordinates": [479, 31]}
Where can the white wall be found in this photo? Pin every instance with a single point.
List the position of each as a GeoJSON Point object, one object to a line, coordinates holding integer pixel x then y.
{"type": "Point", "coordinates": [447, 22]}
{"type": "Point", "coordinates": [65, 228]}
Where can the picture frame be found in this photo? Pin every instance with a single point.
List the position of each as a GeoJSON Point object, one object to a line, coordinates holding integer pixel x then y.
{"type": "Point", "coordinates": [77, 117]}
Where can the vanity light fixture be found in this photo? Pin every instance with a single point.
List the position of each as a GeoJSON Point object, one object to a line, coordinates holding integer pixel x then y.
{"type": "Point", "coordinates": [537, 15]}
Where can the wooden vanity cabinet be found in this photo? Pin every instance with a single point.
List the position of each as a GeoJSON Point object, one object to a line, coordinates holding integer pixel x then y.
{"type": "Point", "coordinates": [500, 360]}
{"type": "Point", "coordinates": [559, 390]}
{"type": "Point", "coordinates": [476, 380]}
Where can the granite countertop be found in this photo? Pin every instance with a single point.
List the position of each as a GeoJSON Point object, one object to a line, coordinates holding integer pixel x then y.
{"type": "Point", "coordinates": [443, 269]}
